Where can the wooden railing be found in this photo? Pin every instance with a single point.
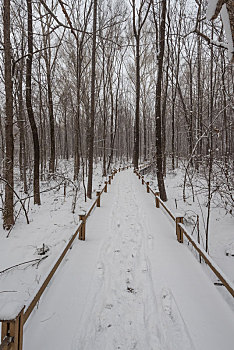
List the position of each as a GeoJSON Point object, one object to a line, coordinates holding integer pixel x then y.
{"type": "Point", "coordinates": [12, 329]}
{"type": "Point", "coordinates": [181, 231]}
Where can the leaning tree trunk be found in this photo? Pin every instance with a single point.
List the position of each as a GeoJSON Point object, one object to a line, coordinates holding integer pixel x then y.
{"type": "Point", "coordinates": [8, 213]}
{"type": "Point", "coordinates": [92, 112]}
{"type": "Point", "coordinates": [36, 184]}
{"type": "Point", "coordinates": [161, 185]}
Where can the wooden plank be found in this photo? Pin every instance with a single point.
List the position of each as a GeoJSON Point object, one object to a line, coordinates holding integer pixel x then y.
{"type": "Point", "coordinates": [5, 343]}
{"type": "Point", "coordinates": [12, 333]}
{"type": "Point", "coordinates": [213, 266]}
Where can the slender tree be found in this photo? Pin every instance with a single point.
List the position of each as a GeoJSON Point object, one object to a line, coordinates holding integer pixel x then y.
{"type": "Point", "coordinates": [36, 183]}
{"type": "Point", "coordinates": [158, 111]}
{"type": "Point", "coordinates": [92, 108]}
{"type": "Point", "coordinates": [8, 214]}
{"type": "Point", "coordinates": [138, 24]}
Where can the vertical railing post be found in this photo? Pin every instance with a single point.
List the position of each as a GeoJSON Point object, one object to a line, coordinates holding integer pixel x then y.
{"type": "Point", "coordinates": [157, 196]}
{"type": "Point", "coordinates": [143, 181]}
{"type": "Point", "coordinates": [179, 231]}
{"type": "Point", "coordinates": [98, 194]}
{"type": "Point", "coordinates": [148, 190]}
{"type": "Point", "coordinates": [105, 188]}
{"type": "Point", "coordinates": [13, 329]}
{"type": "Point", "coordinates": [82, 229]}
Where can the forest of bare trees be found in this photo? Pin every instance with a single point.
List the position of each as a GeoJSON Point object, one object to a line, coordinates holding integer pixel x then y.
{"type": "Point", "coordinates": [127, 81]}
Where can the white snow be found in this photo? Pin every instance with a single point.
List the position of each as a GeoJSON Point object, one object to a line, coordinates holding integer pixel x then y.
{"type": "Point", "coordinates": [211, 8]}
{"type": "Point", "coordinates": [227, 28]}
{"type": "Point", "coordinates": [130, 285]}
{"type": "Point", "coordinates": [226, 23]}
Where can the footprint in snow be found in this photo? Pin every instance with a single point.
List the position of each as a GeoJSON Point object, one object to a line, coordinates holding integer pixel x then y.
{"type": "Point", "coordinates": [144, 267]}
{"type": "Point", "coordinates": [100, 268]}
{"type": "Point", "coordinates": [166, 301]}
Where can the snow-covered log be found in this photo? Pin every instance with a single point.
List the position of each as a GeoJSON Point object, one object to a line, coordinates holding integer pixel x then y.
{"type": "Point", "coordinates": [226, 9]}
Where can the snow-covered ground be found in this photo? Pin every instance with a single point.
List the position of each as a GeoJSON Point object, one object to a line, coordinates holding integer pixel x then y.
{"type": "Point", "coordinates": [51, 226]}
{"type": "Point", "coordinates": [130, 285]}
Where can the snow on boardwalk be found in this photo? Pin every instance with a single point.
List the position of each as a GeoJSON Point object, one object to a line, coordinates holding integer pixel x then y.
{"type": "Point", "coordinates": [130, 285]}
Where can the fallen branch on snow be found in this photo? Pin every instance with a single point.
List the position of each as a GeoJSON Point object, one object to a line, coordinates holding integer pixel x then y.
{"type": "Point", "coordinates": [34, 261]}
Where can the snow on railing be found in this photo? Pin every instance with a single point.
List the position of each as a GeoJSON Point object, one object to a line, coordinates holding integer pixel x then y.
{"type": "Point", "coordinates": [209, 261]}
{"type": "Point", "coordinates": [13, 316]}
{"type": "Point", "coordinates": [181, 230]}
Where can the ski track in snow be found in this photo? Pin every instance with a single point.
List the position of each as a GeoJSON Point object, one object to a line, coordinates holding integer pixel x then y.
{"type": "Point", "coordinates": [123, 312]}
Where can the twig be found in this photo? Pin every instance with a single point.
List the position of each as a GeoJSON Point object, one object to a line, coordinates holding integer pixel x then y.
{"type": "Point", "coordinates": [26, 262]}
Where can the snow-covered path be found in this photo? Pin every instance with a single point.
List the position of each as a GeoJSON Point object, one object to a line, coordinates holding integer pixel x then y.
{"type": "Point", "coordinates": [130, 285]}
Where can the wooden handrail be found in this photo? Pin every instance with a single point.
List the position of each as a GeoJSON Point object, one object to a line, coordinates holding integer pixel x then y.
{"type": "Point", "coordinates": [167, 209]}
{"type": "Point", "coordinates": [209, 261]}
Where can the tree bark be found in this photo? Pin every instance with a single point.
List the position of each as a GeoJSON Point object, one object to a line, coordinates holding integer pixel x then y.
{"type": "Point", "coordinates": [92, 111]}
{"type": "Point", "coordinates": [137, 111]}
{"type": "Point", "coordinates": [161, 185]}
{"type": "Point", "coordinates": [36, 183]}
{"type": "Point", "coordinates": [8, 213]}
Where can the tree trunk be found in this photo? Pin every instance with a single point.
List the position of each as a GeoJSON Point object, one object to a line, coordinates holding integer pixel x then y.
{"type": "Point", "coordinates": [137, 111]}
{"type": "Point", "coordinates": [8, 213]}
{"type": "Point", "coordinates": [51, 118]}
{"type": "Point", "coordinates": [210, 164]}
{"type": "Point", "coordinates": [36, 183]}
{"type": "Point", "coordinates": [161, 185]}
{"type": "Point", "coordinates": [21, 125]}
{"type": "Point", "coordinates": [92, 112]}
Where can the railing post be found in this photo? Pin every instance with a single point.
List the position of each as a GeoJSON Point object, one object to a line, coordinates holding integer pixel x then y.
{"type": "Point", "coordinates": [82, 229]}
{"type": "Point", "coordinates": [143, 181]}
{"type": "Point", "coordinates": [109, 179]}
{"type": "Point", "coordinates": [148, 190]}
{"type": "Point", "coordinates": [179, 231]}
{"type": "Point", "coordinates": [105, 188]}
{"type": "Point", "coordinates": [98, 198]}
{"type": "Point", "coordinates": [13, 330]}
{"type": "Point", "coordinates": [157, 195]}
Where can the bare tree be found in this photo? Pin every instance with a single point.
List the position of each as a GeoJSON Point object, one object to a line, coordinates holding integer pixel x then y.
{"type": "Point", "coordinates": [8, 214]}
{"type": "Point", "coordinates": [36, 180]}
{"type": "Point", "coordinates": [92, 107]}
{"type": "Point", "coordinates": [138, 17]}
{"type": "Point", "coordinates": [158, 111]}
